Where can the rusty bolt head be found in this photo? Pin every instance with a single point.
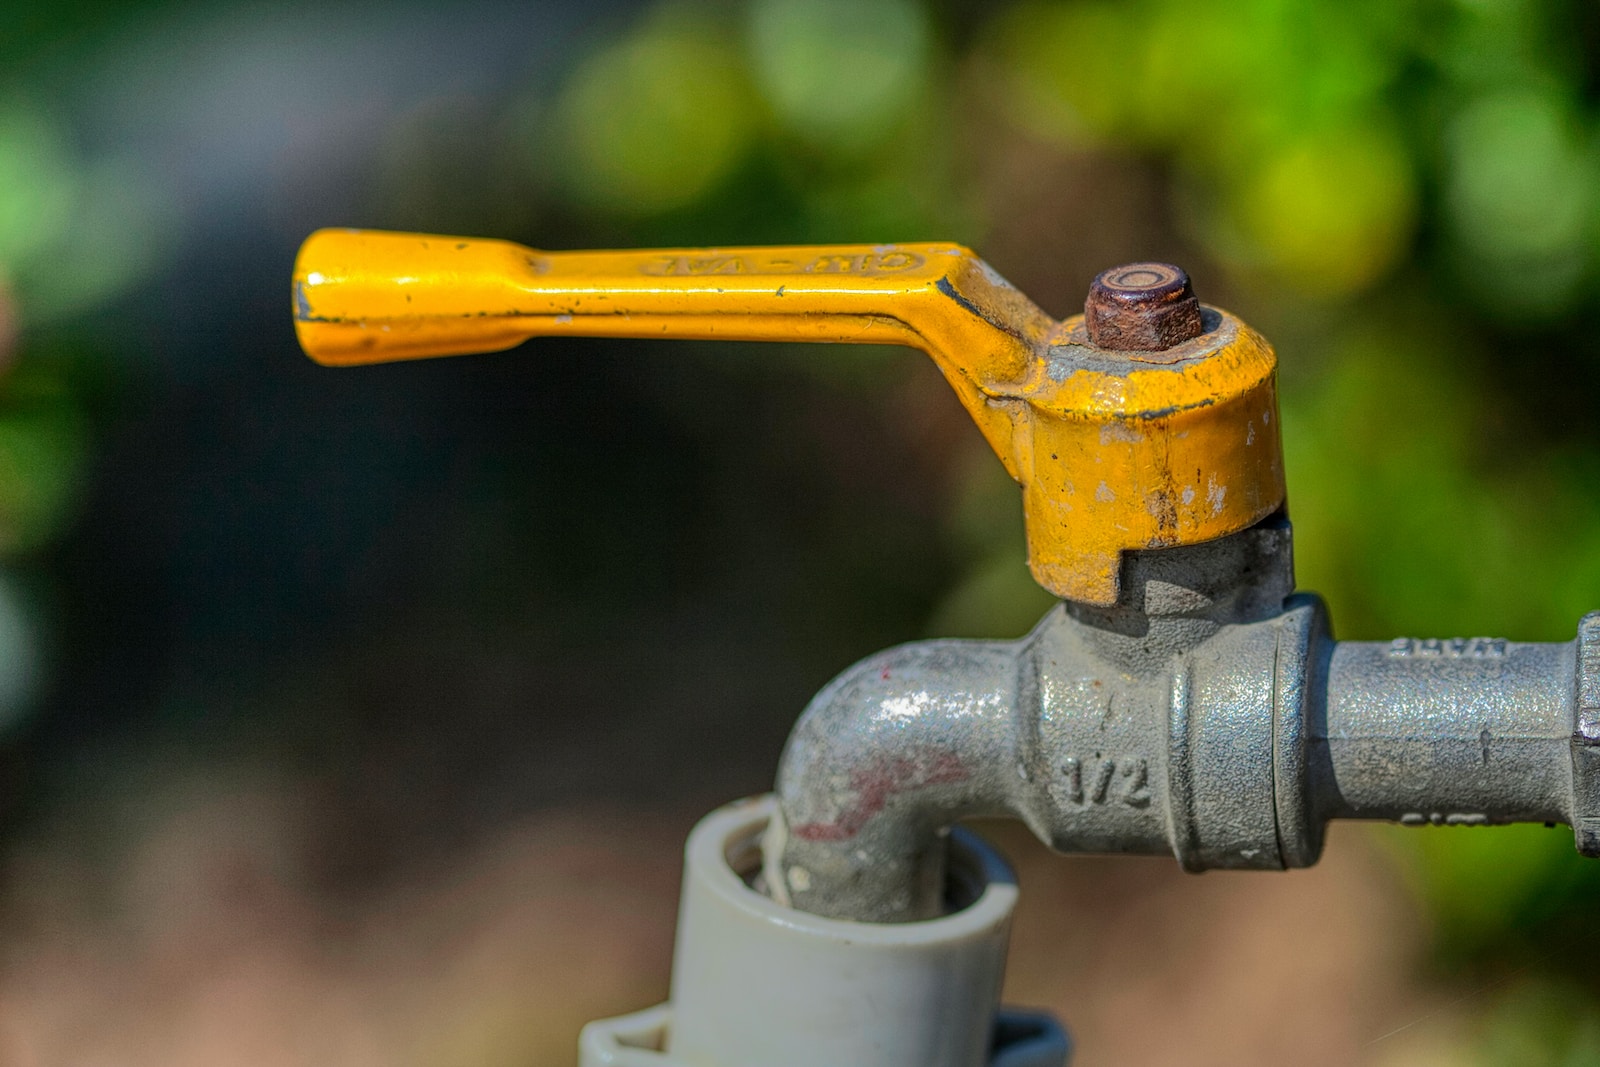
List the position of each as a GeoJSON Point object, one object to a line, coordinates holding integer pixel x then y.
{"type": "Point", "coordinates": [1142, 307]}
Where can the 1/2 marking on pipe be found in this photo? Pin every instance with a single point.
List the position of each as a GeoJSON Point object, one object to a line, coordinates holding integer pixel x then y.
{"type": "Point", "coordinates": [1107, 779]}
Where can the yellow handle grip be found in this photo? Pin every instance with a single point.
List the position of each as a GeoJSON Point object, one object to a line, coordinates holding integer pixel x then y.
{"type": "Point", "coordinates": [1113, 450]}
{"type": "Point", "coordinates": [363, 296]}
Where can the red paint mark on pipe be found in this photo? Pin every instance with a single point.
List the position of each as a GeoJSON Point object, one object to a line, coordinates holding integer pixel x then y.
{"type": "Point", "coordinates": [873, 785]}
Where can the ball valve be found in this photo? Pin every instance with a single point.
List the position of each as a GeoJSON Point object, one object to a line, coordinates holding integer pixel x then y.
{"type": "Point", "coordinates": [1181, 697]}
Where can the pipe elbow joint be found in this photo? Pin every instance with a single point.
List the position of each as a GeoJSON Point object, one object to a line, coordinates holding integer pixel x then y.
{"type": "Point", "coordinates": [883, 760]}
{"type": "Point", "coordinates": [1207, 758]}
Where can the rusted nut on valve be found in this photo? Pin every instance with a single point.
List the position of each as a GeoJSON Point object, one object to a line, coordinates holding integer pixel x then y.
{"type": "Point", "coordinates": [1142, 307]}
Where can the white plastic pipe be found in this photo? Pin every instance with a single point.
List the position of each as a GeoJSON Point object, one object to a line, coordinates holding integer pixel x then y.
{"type": "Point", "coordinates": [756, 984]}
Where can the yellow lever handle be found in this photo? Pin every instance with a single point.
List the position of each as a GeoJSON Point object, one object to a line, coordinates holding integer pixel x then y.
{"type": "Point", "coordinates": [364, 296]}
{"type": "Point", "coordinates": [1114, 450]}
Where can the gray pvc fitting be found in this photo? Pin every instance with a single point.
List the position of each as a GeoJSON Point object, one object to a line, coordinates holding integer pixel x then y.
{"type": "Point", "coordinates": [757, 984]}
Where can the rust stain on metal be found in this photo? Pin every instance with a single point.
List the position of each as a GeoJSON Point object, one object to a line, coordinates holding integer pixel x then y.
{"type": "Point", "coordinates": [873, 786]}
{"type": "Point", "coordinates": [1142, 307]}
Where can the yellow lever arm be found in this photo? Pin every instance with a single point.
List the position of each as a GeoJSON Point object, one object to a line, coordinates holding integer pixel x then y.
{"type": "Point", "coordinates": [364, 296]}
{"type": "Point", "coordinates": [1114, 450]}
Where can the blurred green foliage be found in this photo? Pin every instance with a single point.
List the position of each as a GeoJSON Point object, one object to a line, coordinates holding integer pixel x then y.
{"type": "Point", "coordinates": [838, 73]}
{"type": "Point", "coordinates": [634, 146]}
{"type": "Point", "coordinates": [1535, 1021]}
{"type": "Point", "coordinates": [1273, 114]}
{"type": "Point", "coordinates": [1403, 193]}
{"type": "Point", "coordinates": [1539, 1023]}
{"type": "Point", "coordinates": [1477, 884]}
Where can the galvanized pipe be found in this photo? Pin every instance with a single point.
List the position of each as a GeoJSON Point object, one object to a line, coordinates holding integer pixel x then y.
{"type": "Point", "coordinates": [888, 756]}
{"type": "Point", "coordinates": [1465, 732]}
{"type": "Point", "coordinates": [1210, 717]}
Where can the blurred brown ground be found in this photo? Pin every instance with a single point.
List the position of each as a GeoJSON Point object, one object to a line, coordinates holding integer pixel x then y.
{"type": "Point", "coordinates": [203, 946]}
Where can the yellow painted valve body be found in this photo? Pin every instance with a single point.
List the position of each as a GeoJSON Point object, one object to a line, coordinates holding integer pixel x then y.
{"type": "Point", "coordinates": [1113, 450]}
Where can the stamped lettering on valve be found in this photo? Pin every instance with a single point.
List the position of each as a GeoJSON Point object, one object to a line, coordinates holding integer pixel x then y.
{"type": "Point", "coordinates": [1449, 648]}
{"type": "Point", "coordinates": [691, 265]}
{"type": "Point", "coordinates": [1107, 780]}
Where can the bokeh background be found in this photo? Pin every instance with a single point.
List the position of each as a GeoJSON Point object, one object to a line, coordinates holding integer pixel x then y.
{"type": "Point", "coordinates": [357, 717]}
